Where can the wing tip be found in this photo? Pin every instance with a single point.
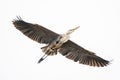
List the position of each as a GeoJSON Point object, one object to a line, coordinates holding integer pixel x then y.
{"type": "Point", "coordinates": [18, 18]}
{"type": "Point", "coordinates": [18, 22]}
{"type": "Point", "coordinates": [94, 63]}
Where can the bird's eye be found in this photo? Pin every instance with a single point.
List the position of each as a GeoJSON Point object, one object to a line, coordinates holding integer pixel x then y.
{"type": "Point", "coordinates": [57, 42]}
{"type": "Point", "coordinates": [58, 39]}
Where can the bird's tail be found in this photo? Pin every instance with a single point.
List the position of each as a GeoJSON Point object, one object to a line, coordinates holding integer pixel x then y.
{"type": "Point", "coordinates": [49, 51]}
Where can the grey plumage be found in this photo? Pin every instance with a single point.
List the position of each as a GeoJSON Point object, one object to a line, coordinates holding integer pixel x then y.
{"type": "Point", "coordinates": [69, 49]}
{"type": "Point", "coordinates": [35, 31]}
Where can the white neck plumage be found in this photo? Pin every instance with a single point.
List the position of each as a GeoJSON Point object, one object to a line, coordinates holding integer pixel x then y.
{"type": "Point", "coordinates": [65, 37]}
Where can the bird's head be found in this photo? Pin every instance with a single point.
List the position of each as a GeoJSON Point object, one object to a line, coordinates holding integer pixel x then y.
{"type": "Point", "coordinates": [72, 30]}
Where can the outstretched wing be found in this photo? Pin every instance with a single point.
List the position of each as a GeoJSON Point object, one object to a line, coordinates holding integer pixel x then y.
{"type": "Point", "coordinates": [35, 31]}
{"type": "Point", "coordinates": [77, 53]}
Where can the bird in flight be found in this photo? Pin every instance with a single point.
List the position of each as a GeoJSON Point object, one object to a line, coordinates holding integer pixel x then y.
{"type": "Point", "coordinates": [59, 43]}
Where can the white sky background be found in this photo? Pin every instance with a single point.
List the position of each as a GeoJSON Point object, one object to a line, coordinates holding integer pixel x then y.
{"type": "Point", "coordinates": [99, 31]}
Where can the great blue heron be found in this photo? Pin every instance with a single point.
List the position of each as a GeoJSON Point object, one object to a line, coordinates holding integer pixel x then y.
{"type": "Point", "coordinates": [58, 43]}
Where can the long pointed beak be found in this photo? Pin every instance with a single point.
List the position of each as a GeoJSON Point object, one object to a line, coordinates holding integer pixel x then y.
{"type": "Point", "coordinates": [75, 28]}
{"type": "Point", "coordinates": [72, 30]}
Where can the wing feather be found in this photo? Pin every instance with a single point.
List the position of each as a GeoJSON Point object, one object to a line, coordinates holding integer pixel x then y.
{"type": "Point", "coordinates": [74, 52]}
{"type": "Point", "coordinates": [35, 31]}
